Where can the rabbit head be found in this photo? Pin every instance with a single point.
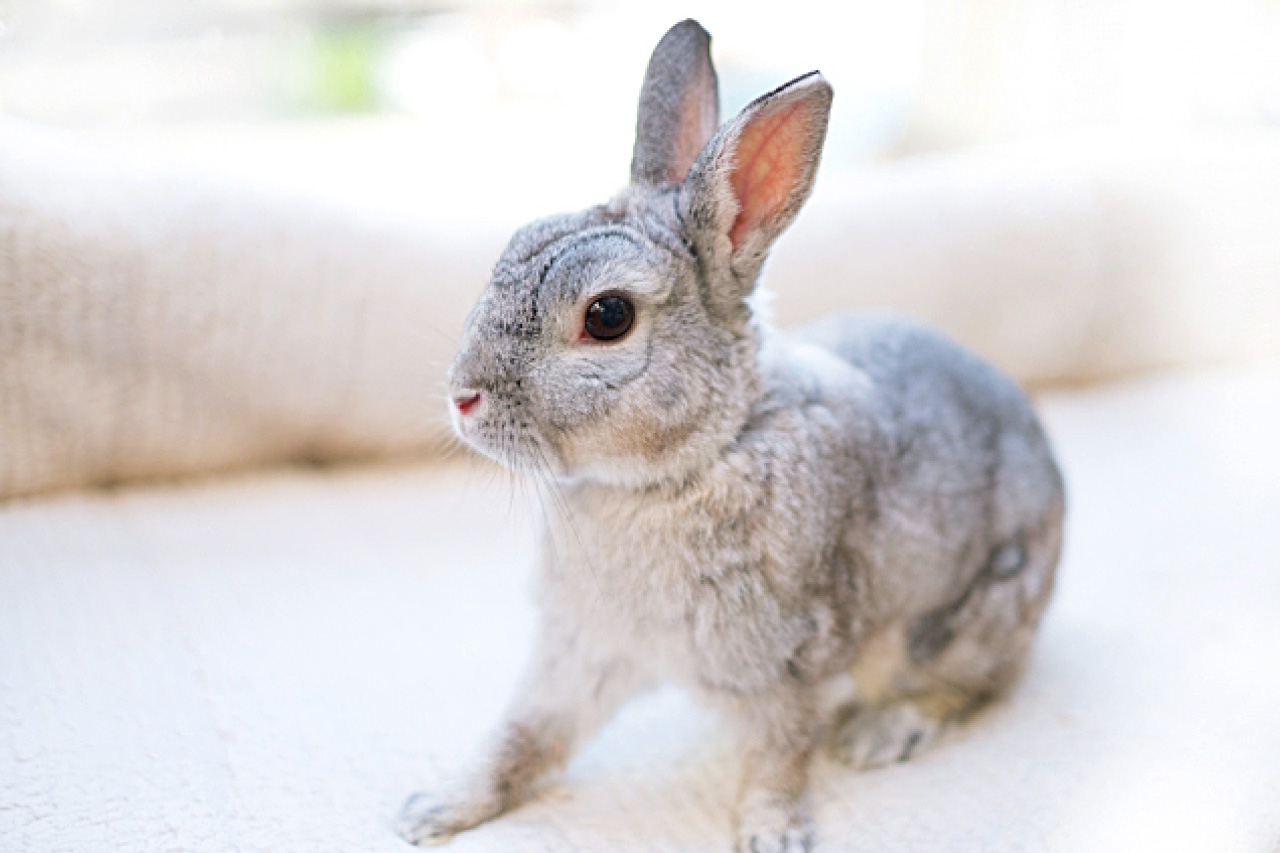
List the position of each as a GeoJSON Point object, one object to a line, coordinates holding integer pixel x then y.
{"type": "Point", "coordinates": [619, 343]}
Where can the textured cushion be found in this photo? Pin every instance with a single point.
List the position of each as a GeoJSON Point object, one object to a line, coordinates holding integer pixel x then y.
{"type": "Point", "coordinates": [271, 663]}
{"type": "Point", "coordinates": [152, 325]}
{"type": "Point", "coordinates": [156, 324]}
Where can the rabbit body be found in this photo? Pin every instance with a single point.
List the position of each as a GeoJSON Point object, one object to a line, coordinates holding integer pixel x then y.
{"type": "Point", "coordinates": [846, 534]}
{"type": "Point", "coordinates": [884, 480]}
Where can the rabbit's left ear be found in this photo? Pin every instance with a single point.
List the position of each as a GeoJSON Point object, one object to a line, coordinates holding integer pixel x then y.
{"type": "Point", "coordinates": [679, 106]}
{"type": "Point", "coordinates": [751, 180]}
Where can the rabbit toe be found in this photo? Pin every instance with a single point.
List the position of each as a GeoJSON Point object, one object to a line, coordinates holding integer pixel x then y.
{"type": "Point", "coordinates": [790, 838]}
{"type": "Point", "coordinates": [878, 736]}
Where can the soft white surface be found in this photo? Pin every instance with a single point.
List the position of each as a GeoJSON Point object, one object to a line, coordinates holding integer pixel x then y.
{"type": "Point", "coordinates": [272, 663]}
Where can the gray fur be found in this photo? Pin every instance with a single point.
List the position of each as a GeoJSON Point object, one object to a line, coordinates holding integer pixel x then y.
{"type": "Point", "coordinates": [752, 515]}
{"type": "Point", "coordinates": [679, 106]}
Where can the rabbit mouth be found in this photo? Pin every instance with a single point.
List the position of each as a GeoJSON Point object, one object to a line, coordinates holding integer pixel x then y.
{"type": "Point", "coordinates": [515, 446]}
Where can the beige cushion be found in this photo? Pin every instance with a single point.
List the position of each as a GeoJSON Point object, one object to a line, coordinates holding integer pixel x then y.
{"type": "Point", "coordinates": [153, 323]}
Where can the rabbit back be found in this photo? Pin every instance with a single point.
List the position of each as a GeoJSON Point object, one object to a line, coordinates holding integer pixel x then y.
{"type": "Point", "coordinates": [964, 542]}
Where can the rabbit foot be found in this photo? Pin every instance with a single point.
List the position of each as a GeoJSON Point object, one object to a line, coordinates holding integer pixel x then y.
{"type": "Point", "coordinates": [774, 832]}
{"type": "Point", "coordinates": [876, 736]}
{"type": "Point", "coordinates": [426, 821]}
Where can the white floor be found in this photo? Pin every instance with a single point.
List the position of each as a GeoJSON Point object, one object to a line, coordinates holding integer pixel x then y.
{"type": "Point", "coordinates": [272, 662]}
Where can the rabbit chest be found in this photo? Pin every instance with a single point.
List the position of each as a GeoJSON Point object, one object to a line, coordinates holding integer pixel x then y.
{"type": "Point", "coordinates": [710, 587]}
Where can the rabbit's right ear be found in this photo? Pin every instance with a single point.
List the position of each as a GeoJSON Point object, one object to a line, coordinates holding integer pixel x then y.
{"type": "Point", "coordinates": [679, 106]}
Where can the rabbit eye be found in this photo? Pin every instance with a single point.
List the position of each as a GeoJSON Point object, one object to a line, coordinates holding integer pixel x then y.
{"type": "Point", "coordinates": [609, 318]}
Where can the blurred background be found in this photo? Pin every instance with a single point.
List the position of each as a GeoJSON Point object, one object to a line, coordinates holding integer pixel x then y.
{"type": "Point", "coordinates": [236, 234]}
{"type": "Point", "coordinates": [396, 103]}
{"type": "Point", "coordinates": [273, 215]}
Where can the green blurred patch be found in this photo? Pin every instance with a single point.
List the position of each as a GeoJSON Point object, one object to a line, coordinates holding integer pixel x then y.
{"type": "Point", "coordinates": [340, 69]}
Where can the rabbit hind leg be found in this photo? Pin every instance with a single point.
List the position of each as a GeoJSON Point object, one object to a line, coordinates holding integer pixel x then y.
{"type": "Point", "coordinates": [896, 712]}
{"type": "Point", "coordinates": [913, 681]}
{"type": "Point", "coordinates": [885, 726]}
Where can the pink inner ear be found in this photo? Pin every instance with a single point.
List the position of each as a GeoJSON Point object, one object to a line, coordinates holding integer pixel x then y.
{"type": "Point", "coordinates": [766, 166]}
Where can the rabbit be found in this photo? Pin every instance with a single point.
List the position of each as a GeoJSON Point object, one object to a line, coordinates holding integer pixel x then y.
{"type": "Point", "coordinates": [765, 519]}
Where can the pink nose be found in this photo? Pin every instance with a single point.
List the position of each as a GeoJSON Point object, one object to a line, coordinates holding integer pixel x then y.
{"type": "Point", "coordinates": [466, 402]}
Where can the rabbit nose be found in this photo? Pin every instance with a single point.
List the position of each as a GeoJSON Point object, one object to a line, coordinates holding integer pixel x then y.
{"type": "Point", "coordinates": [466, 401]}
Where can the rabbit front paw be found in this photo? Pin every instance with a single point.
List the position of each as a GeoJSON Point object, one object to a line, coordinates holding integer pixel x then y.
{"type": "Point", "coordinates": [427, 821]}
{"type": "Point", "coordinates": [773, 830]}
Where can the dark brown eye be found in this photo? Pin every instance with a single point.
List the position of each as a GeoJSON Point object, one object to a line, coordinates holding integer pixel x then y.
{"type": "Point", "coordinates": [609, 318]}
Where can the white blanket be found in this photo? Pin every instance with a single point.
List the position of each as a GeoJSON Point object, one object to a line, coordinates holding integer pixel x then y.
{"type": "Point", "coordinates": [271, 663]}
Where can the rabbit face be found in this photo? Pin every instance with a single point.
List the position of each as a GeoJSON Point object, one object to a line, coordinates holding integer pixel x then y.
{"type": "Point", "coordinates": [618, 343]}
{"type": "Point", "coordinates": [594, 352]}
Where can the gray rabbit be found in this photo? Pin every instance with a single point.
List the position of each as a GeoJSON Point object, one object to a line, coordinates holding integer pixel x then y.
{"type": "Point", "coordinates": [761, 518]}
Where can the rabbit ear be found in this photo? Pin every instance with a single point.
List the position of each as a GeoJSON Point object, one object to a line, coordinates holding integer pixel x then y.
{"type": "Point", "coordinates": [679, 106]}
{"type": "Point", "coordinates": [749, 183]}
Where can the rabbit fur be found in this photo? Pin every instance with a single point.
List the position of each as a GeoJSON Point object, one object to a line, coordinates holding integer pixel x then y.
{"type": "Point", "coordinates": [843, 536]}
